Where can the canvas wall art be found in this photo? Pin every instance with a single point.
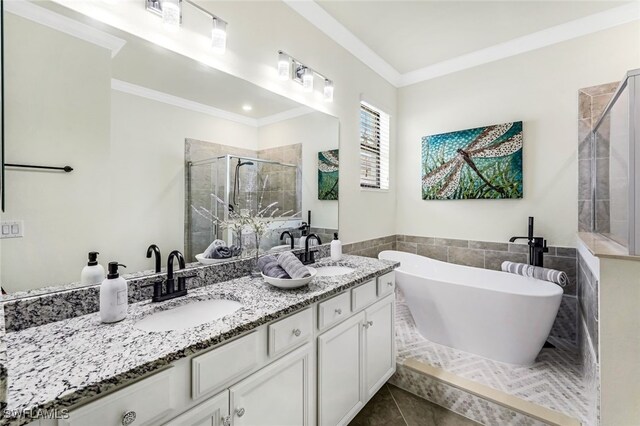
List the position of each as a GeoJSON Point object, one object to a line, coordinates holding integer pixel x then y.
{"type": "Point", "coordinates": [480, 163]}
{"type": "Point", "coordinates": [328, 173]}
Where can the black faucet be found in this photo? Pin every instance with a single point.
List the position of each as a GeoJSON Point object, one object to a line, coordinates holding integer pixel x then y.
{"type": "Point", "coordinates": [290, 237]}
{"type": "Point", "coordinates": [308, 257]}
{"type": "Point", "coordinates": [155, 250]}
{"type": "Point", "coordinates": [537, 246]}
{"type": "Point", "coordinates": [171, 291]}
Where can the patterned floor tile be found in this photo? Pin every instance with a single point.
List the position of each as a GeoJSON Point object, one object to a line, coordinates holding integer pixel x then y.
{"type": "Point", "coordinates": [553, 381]}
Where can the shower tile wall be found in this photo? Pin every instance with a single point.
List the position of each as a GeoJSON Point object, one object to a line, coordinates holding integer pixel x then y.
{"type": "Point", "coordinates": [283, 187]}
{"type": "Point", "coordinates": [196, 150]}
{"type": "Point", "coordinates": [591, 104]}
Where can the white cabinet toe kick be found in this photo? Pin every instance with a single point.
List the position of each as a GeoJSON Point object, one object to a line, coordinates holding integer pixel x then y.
{"type": "Point", "coordinates": [318, 366]}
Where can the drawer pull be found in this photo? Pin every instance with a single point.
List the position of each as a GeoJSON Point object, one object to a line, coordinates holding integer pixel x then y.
{"type": "Point", "coordinates": [390, 283]}
{"type": "Point", "coordinates": [128, 418]}
{"type": "Point", "coordinates": [338, 311]}
{"type": "Point", "coordinates": [297, 332]}
{"type": "Point", "coordinates": [240, 412]}
{"type": "Point", "coordinates": [367, 324]}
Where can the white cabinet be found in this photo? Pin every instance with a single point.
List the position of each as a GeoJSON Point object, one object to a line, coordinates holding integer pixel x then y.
{"type": "Point", "coordinates": [213, 412]}
{"type": "Point", "coordinates": [340, 372]}
{"type": "Point", "coordinates": [355, 359]}
{"type": "Point", "coordinates": [379, 333]}
{"type": "Point", "coordinates": [277, 395]}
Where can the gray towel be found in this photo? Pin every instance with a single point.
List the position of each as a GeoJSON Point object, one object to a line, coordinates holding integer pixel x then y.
{"type": "Point", "coordinates": [268, 265]}
{"type": "Point", "coordinates": [220, 252]}
{"type": "Point", "coordinates": [208, 253]}
{"type": "Point", "coordinates": [553, 275]}
{"type": "Point", "coordinates": [293, 266]}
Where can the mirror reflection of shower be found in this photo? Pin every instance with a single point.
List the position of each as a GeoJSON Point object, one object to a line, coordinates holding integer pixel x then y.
{"type": "Point", "coordinates": [236, 183]}
{"type": "Point", "coordinates": [219, 188]}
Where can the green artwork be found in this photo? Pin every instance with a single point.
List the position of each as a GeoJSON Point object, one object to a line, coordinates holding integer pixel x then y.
{"type": "Point", "coordinates": [328, 175]}
{"type": "Point", "coordinates": [481, 163]}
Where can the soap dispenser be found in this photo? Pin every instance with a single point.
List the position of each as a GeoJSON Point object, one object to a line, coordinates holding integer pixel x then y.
{"type": "Point", "coordinates": [93, 273]}
{"type": "Point", "coordinates": [336, 248]}
{"type": "Point", "coordinates": [113, 296]}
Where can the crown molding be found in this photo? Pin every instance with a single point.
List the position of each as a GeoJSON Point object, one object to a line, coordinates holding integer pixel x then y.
{"type": "Point", "coordinates": [176, 101]}
{"type": "Point", "coordinates": [51, 19]}
{"type": "Point", "coordinates": [320, 18]}
{"type": "Point", "coordinates": [326, 23]}
{"type": "Point", "coordinates": [550, 36]}
{"type": "Point", "coordinates": [285, 115]}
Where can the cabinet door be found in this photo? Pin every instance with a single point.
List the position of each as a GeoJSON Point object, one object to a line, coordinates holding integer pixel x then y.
{"type": "Point", "coordinates": [277, 395]}
{"type": "Point", "coordinates": [380, 362]}
{"type": "Point", "coordinates": [340, 372]}
{"type": "Point", "coordinates": [212, 412]}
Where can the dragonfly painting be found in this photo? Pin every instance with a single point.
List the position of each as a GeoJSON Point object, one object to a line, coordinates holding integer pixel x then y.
{"type": "Point", "coordinates": [328, 174]}
{"type": "Point", "coordinates": [484, 162]}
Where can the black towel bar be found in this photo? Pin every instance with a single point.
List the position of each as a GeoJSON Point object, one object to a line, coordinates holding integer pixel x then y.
{"type": "Point", "coordinates": [66, 169]}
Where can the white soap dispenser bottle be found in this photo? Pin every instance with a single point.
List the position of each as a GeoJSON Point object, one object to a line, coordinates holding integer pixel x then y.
{"type": "Point", "coordinates": [93, 273]}
{"type": "Point", "coordinates": [336, 248]}
{"type": "Point", "coordinates": [113, 296]}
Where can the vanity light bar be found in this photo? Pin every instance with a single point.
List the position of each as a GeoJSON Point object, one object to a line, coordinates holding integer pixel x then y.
{"type": "Point", "coordinates": [291, 68]}
{"type": "Point", "coordinates": [171, 13]}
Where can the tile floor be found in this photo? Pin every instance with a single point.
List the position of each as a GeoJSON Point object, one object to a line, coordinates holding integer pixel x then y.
{"type": "Point", "coordinates": [553, 381]}
{"type": "Point", "coordinates": [392, 406]}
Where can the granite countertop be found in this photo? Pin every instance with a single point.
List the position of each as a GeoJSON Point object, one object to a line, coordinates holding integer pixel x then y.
{"type": "Point", "coordinates": [56, 365]}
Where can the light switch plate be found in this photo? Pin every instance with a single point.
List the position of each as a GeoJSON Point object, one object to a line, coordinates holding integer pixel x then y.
{"type": "Point", "coordinates": [11, 229]}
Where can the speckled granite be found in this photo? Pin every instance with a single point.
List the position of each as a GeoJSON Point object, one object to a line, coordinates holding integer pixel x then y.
{"type": "Point", "coordinates": [47, 305]}
{"type": "Point", "coordinates": [58, 364]}
{"type": "Point", "coordinates": [3, 361]}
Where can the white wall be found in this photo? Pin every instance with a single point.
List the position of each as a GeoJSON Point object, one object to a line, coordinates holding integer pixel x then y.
{"type": "Point", "coordinates": [316, 132]}
{"type": "Point", "coordinates": [539, 88]}
{"type": "Point", "coordinates": [63, 214]}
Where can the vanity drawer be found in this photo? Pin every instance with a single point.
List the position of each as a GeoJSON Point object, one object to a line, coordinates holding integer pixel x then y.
{"type": "Point", "coordinates": [220, 367]}
{"type": "Point", "coordinates": [148, 401]}
{"type": "Point", "coordinates": [334, 310]}
{"type": "Point", "coordinates": [363, 295]}
{"type": "Point", "coordinates": [386, 284]}
{"type": "Point", "coordinates": [290, 332]}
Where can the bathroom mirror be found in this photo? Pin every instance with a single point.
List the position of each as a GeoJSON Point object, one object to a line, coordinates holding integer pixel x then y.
{"type": "Point", "coordinates": [164, 150]}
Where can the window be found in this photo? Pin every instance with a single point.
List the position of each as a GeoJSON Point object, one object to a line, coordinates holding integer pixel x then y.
{"type": "Point", "coordinates": [374, 147]}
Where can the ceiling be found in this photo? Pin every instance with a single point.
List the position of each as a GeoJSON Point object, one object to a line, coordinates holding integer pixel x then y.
{"type": "Point", "coordinates": [410, 35]}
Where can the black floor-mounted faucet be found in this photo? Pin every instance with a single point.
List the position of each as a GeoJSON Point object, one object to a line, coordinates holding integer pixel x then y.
{"type": "Point", "coordinates": [537, 246]}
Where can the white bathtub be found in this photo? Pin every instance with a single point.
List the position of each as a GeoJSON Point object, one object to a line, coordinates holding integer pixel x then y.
{"type": "Point", "coordinates": [497, 315]}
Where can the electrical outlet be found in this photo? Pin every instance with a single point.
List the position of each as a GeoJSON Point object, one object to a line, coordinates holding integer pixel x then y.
{"type": "Point", "coordinates": [12, 229]}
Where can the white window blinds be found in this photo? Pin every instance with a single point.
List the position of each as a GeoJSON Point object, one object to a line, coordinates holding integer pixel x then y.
{"type": "Point", "coordinates": [374, 147]}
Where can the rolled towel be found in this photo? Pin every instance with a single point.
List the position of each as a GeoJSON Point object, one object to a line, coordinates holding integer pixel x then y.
{"type": "Point", "coordinates": [221, 252]}
{"type": "Point", "coordinates": [269, 266]}
{"type": "Point", "coordinates": [235, 250]}
{"type": "Point", "coordinates": [208, 253]}
{"type": "Point", "coordinates": [293, 266]}
{"type": "Point", "coordinates": [546, 274]}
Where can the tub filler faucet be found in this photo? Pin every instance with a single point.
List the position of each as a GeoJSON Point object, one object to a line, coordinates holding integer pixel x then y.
{"type": "Point", "coordinates": [537, 246]}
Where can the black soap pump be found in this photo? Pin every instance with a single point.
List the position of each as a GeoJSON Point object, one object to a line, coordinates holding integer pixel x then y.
{"type": "Point", "coordinates": [93, 273]}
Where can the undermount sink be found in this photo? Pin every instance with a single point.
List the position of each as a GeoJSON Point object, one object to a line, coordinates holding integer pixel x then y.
{"type": "Point", "coordinates": [333, 271]}
{"type": "Point", "coordinates": [187, 316]}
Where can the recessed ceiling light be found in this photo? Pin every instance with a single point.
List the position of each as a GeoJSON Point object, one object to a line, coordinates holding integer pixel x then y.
{"type": "Point", "coordinates": [247, 107]}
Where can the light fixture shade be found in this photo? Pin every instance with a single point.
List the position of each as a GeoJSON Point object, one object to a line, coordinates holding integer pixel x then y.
{"type": "Point", "coordinates": [328, 90]}
{"type": "Point", "coordinates": [171, 13]}
{"type": "Point", "coordinates": [307, 80]}
{"type": "Point", "coordinates": [284, 66]}
{"type": "Point", "coordinates": [219, 36]}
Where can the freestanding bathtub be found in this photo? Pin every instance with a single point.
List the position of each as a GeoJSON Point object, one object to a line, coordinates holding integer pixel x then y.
{"type": "Point", "coordinates": [497, 315]}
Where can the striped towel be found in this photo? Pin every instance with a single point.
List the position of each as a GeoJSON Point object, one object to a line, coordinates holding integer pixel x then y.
{"type": "Point", "coordinates": [293, 266]}
{"type": "Point", "coordinates": [268, 265]}
{"type": "Point", "coordinates": [553, 275]}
